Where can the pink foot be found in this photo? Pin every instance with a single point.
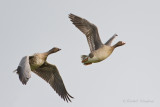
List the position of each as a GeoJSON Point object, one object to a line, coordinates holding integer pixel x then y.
{"type": "Point", "coordinates": [84, 60]}
{"type": "Point", "coordinates": [87, 63]}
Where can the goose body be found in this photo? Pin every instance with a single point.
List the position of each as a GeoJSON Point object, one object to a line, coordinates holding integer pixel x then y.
{"type": "Point", "coordinates": [37, 63]}
{"type": "Point", "coordinates": [98, 50]}
{"type": "Point", "coordinates": [37, 60]}
{"type": "Point", "coordinates": [105, 51]}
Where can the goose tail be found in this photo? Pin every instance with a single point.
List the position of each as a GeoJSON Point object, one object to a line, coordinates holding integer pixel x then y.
{"type": "Point", "coordinates": [84, 59]}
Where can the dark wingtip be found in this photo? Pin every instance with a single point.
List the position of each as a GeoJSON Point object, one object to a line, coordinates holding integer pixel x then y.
{"type": "Point", "coordinates": [67, 98]}
{"type": "Point", "coordinates": [69, 15]}
{"type": "Point", "coordinates": [72, 16]}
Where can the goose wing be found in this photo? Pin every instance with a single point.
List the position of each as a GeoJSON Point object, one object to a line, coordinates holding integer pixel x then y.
{"type": "Point", "coordinates": [51, 75]}
{"type": "Point", "coordinates": [89, 29]}
{"type": "Point", "coordinates": [24, 70]}
{"type": "Point", "coordinates": [111, 39]}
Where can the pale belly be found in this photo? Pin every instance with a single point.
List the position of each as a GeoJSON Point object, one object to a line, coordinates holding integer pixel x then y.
{"type": "Point", "coordinates": [36, 64]}
{"type": "Point", "coordinates": [100, 56]}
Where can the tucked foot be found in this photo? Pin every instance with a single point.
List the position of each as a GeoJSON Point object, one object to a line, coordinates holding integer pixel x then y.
{"type": "Point", "coordinates": [84, 60]}
{"type": "Point", "coordinates": [87, 63]}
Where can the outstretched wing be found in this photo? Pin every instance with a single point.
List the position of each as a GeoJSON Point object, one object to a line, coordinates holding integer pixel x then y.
{"type": "Point", "coordinates": [24, 70]}
{"type": "Point", "coordinates": [111, 39]}
{"type": "Point", "coordinates": [51, 75]}
{"type": "Point", "coordinates": [89, 29]}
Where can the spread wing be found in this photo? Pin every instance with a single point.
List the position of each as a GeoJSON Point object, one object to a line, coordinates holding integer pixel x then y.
{"type": "Point", "coordinates": [51, 75]}
{"type": "Point", "coordinates": [24, 70]}
{"type": "Point", "coordinates": [111, 39]}
{"type": "Point", "coordinates": [89, 29]}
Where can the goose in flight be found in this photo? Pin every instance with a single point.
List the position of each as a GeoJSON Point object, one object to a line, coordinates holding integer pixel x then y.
{"type": "Point", "coordinates": [98, 50]}
{"type": "Point", "coordinates": [37, 63]}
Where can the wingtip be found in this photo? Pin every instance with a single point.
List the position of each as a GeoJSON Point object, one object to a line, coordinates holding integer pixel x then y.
{"type": "Point", "coordinates": [70, 96]}
{"type": "Point", "coordinates": [71, 15]}
{"type": "Point", "coordinates": [67, 98]}
{"type": "Point", "coordinates": [115, 34]}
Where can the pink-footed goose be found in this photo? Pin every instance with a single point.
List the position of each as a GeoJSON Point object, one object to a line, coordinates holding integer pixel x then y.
{"type": "Point", "coordinates": [37, 63]}
{"type": "Point", "coordinates": [98, 50]}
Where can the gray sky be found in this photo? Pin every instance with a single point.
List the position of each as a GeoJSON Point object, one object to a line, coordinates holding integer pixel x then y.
{"type": "Point", "coordinates": [128, 78]}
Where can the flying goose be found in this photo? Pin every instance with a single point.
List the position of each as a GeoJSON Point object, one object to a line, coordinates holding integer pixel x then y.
{"type": "Point", "coordinates": [37, 63]}
{"type": "Point", "coordinates": [98, 50]}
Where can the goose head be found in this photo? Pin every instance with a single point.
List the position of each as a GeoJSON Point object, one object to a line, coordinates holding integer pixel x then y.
{"type": "Point", "coordinates": [54, 50]}
{"type": "Point", "coordinates": [120, 43]}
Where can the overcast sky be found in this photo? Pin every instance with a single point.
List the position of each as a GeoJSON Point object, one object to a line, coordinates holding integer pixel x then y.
{"type": "Point", "coordinates": [130, 77]}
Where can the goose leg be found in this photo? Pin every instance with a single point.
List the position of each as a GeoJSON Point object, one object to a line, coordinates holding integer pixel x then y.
{"type": "Point", "coordinates": [84, 60]}
{"type": "Point", "coordinates": [87, 63]}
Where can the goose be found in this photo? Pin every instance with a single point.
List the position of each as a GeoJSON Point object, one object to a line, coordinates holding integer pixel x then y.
{"type": "Point", "coordinates": [37, 63]}
{"type": "Point", "coordinates": [98, 50]}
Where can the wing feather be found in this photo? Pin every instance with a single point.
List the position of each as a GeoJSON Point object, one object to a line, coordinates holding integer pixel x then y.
{"type": "Point", "coordinates": [89, 29]}
{"type": "Point", "coordinates": [51, 75]}
{"type": "Point", "coordinates": [111, 39]}
{"type": "Point", "coordinates": [24, 70]}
